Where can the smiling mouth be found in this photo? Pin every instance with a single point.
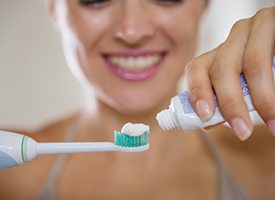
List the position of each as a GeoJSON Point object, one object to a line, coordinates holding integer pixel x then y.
{"type": "Point", "coordinates": [134, 66]}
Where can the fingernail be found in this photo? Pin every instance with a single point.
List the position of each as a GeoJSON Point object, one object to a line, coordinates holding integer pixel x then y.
{"type": "Point", "coordinates": [203, 109]}
{"type": "Point", "coordinates": [241, 128]}
{"type": "Point", "coordinates": [206, 130]}
{"type": "Point", "coordinates": [271, 125]}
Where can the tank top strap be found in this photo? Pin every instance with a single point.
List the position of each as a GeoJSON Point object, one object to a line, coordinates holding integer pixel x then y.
{"type": "Point", "coordinates": [48, 191]}
{"type": "Point", "coordinates": [228, 187]}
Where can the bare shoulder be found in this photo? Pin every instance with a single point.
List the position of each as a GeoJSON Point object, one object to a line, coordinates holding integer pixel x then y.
{"type": "Point", "coordinates": [23, 182]}
{"type": "Point", "coordinates": [54, 131]}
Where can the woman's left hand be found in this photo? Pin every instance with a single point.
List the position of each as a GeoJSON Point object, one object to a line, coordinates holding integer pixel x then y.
{"type": "Point", "coordinates": [248, 49]}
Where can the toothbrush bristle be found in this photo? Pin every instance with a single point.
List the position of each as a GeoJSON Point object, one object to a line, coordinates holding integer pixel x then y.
{"type": "Point", "coordinates": [130, 141]}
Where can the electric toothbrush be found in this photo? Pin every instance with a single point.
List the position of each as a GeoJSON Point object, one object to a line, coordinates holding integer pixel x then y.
{"type": "Point", "coordinates": [17, 149]}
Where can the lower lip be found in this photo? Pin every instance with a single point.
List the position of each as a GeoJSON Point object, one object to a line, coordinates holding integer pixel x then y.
{"type": "Point", "coordinates": [134, 75]}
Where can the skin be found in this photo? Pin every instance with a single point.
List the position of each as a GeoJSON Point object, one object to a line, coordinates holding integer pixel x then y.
{"type": "Point", "coordinates": [177, 165]}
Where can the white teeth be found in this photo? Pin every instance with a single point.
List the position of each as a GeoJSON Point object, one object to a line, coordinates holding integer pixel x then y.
{"type": "Point", "coordinates": [134, 63]}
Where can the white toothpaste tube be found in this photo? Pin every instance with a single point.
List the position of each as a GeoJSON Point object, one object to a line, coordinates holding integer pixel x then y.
{"type": "Point", "coordinates": [180, 113]}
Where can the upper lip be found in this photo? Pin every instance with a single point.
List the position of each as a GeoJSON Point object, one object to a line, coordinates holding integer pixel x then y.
{"type": "Point", "coordinates": [134, 53]}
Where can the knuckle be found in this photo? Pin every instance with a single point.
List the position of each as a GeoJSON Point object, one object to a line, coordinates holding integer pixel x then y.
{"type": "Point", "coordinates": [192, 66]}
{"type": "Point", "coordinates": [253, 63]}
{"type": "Point", "coordinates": [190, 75]}
{"type": "Point", "coordinates": [217, 68]}
{"type": "Point", "coordinates": [196, 64]}
{"type": "Point", "coordinates": [195, 89]}
{"type": "Point", "coordinates": [196, 92]}
{"type": "Point", "coordinates": [230, 106]}
{"type": "Point", "coordinates": [240, 24]}
{"type": "Point", "coordinates": [264, 15]}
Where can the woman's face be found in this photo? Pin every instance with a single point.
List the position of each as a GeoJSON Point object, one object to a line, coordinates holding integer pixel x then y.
{"type": "Point", "coordinates": [131, 52]}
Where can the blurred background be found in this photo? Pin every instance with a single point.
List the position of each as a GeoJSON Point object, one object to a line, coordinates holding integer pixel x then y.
{"type": "Point", "coordinates": [36, 86]}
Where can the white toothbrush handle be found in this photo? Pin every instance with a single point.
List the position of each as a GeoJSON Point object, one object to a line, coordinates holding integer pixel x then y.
{"type": "Point", "coordinates": [74, 147]}
{"type": "Point", "coordinates": [81, 147]}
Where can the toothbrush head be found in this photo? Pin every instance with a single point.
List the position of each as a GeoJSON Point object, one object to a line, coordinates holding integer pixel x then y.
{"type": "Point", "coordinates": [125, 140]}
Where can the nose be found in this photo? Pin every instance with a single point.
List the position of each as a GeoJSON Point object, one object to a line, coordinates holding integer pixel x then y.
{"type": "Point", "coordinates": [135, 24]}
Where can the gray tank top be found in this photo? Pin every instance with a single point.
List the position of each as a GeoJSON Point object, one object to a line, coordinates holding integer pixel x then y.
{"type": "Point", "coordinates": [228, 187]}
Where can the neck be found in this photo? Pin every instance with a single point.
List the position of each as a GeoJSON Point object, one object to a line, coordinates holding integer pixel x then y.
{"type": "Point", "coordinates": [100, 120]}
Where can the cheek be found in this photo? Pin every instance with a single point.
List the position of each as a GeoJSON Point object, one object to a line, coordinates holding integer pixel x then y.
{"type": "Point", "coordinates": [82, 35]}
{"type": "Point", "coordinates": [181, 30]}
{"type": "Point", "coordinates": [181, 25]}
{"type": "Point", "coordinates": [89, 27]}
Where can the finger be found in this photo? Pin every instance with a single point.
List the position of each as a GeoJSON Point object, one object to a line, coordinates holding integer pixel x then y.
{"type": "Point", "coordinates": [257, 65]}
{"type": "Point", "coordinates": [199, 86]}
{"type": "Point", "coordinates": [209, 128]}
{"type": "Point", "coordinates": [225, 77]}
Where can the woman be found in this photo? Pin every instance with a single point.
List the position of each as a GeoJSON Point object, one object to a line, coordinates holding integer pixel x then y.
{"type": "Point", "coordinates": [130, 55]}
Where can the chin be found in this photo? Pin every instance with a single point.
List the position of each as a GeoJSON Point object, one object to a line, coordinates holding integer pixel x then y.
{"type": "Point", "coordinates": [138, 106]}
{"type": "Point", "coordinates": [138, 101]}
{"type": "Point", "coordinates": [135, 111]}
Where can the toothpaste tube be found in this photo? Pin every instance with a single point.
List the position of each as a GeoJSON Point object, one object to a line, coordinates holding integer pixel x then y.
{"type": "Point", "coordinates": [180, 113]}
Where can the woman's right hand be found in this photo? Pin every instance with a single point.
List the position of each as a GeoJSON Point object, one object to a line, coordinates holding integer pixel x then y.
{"type": "Point", "coordinates": [248, 49]}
